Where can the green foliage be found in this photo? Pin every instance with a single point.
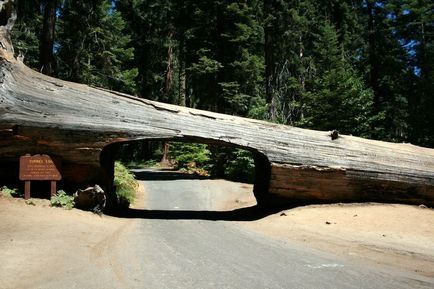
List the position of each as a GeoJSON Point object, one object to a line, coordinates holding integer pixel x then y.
{"type": "Point", "coordinates": [229, 163]}
{"type": "Point", "coordinates": [26, 32]}
{"type": "Point", "coordinates": [240, 166]}
{"type": "Point", "coordinates": [187, 154]}
{"type": "Point", "coordinates": [258, 109]}
{"type": "Point", "coordinates": [412, 24]}
{"type": "Point", "coordinates": [26, 43]}
{"type": "Point", "coordinates": [288, 37]}
{"type": "Point", "coordinates": [217, 161]}
{"type": "Point", "coordinates": [9, 193]}
{"type": "Point", "coordinates": [125, 183]}
{"type": "Point", "coordinates": [151, 26]}
{"type": "Point", "coordinates": [337, 98]}
{"type": "Point", "coordinates": [98, 52]}
{"type": "Point", "coordinates": [63, 200]}
{"type": "Point", "coordinates": [205, 65]}
{"type": "Point", "coordinates": [242, 37]}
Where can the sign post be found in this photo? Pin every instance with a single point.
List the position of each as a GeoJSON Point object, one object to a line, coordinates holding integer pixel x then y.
{"type": "Point", "coordinates": [39, 168]}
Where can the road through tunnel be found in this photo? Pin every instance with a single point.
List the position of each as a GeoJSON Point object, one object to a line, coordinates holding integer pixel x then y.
{"type": "Point", "coordinates": [188, 158]}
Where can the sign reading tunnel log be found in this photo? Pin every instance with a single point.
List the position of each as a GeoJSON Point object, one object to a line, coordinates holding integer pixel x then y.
{"type": "Point", "coordinates": [39, 168]}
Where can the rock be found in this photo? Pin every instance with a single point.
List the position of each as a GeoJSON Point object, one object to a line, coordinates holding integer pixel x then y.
{"type": "Point", "coordinates": [283, 214]}
{"type": "Point", "coordinates": [328, 223]}
{"type": "Point", "coordinates": [90, 199]}
{"type": "Point", "coordinates": [422, 206]}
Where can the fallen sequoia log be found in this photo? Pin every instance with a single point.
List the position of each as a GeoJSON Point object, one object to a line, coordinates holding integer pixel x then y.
{"type": "Point", "coordinates": [81, 125]}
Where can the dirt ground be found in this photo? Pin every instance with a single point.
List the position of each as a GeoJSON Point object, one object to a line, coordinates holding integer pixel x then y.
{"type": "Point", "coordinates": [33, 237]}
{"type": "Point", "coordinates": [401, 236]}
{"type": "Point", "coordinates": [38, 240]}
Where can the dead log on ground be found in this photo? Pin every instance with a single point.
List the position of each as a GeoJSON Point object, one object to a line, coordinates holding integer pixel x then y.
{"type": "Point", "coordinates": [78, 123]}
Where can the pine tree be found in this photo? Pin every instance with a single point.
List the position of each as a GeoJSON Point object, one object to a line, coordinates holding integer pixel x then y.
{"type": "Point", "coordinates": [414, 24]}
{"type": "Point", "coordinates": [287, 27]}
{"type": "Point", "coordinates": [46, 50]}
{"type": "Point", "coordinates": [337, 98]}
{"type": "Point", "coordinates": [386, 73]}
{"type": "Point", "coordinates": [225, 70]}
{"type": "Point", "coordinates": [152, 29]}
{"type": "Point", "coordinates": [241, 81]}
{"type": "Point", "coordinates": [98, 52]}
{"type": "Point", "coordinates": [26, 31]}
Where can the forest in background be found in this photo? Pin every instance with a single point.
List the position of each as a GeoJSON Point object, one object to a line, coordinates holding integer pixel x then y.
{"type": "Point", "coordinates": [361, 67]}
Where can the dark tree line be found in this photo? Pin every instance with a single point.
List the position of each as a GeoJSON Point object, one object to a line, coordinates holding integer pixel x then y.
{"type": "Point", "coordinates": [363, 67]}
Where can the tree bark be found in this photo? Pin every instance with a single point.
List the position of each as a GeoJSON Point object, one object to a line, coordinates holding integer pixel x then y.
{"type": "Point", "coordinates": [182, 92]}
{"type": "Point", "coordinates": [373, 58]}
{"type": "Point", "coordinates": [169, 68]}
{"type": "Point", "coordinates": [46, 57]}
{"type": "Point", "coordinates": [270, 67]}
{"type": "Point", "coordinates": [79, 124]}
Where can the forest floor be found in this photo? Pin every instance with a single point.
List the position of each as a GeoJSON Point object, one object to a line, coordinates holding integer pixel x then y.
{"type": "Point", "coordinates": [399, 236]}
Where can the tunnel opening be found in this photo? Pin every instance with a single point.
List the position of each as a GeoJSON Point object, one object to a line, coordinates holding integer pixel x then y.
{"type": "Point", "coordinates": [237, 176]}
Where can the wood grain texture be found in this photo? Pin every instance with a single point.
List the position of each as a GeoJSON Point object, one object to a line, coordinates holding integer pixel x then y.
{"type": "Point", "coordinates": [40, 114]}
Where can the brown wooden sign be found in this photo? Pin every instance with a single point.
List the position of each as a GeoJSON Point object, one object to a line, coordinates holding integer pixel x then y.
{"type": "Point", "coordinates": [39, 168]}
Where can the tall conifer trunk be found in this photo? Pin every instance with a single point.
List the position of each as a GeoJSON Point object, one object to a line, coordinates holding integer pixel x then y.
{"type": "Point", "coordinates": [169, 69]}
{"type": "Point", "coordinates": [182, 97]}
{"type": "Point", "coordinates": [372, 58]}
{"type": "Point", "coordinates": [46, 57]}
{"type": "Point", "coordinates": [269, 61]}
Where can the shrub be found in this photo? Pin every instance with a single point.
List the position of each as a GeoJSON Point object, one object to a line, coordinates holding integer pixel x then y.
{"type": "Point", "coordinates": [61, 199]}
{"type": "Point", "coordinates": [9, 193]}
{"type": "Point", "coordinates": [222, 162]}
{"type": "Point", "coordinates": [241, 166]}
{"type": "Point", "coordinates": [189, 155]}
{"type": "Point", "coordinates": [232, 164]}
{"type": "Point", "coordinates": [126, 184]}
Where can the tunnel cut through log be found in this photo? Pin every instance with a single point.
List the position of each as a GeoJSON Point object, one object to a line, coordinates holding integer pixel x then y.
{"type": "Point", "coordinates": [75, 122]}
{"type": "Point", "coordinates": [262, 164]}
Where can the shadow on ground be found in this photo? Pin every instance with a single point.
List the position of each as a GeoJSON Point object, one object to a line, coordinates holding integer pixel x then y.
{"type": "Point", "coordinates": [243, 214]}
{"type": "Point", "coordinates": [165, 175]}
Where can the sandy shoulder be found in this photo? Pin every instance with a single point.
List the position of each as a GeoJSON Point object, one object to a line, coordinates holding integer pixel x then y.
{"type": "Point", "coordinates": [400, 236]}
{"type": "Point", "coordinates": [397, 235]}
{"type": "Point", "coordinates": [38, 243]}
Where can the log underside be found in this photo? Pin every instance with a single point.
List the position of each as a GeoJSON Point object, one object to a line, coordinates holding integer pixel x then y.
{"type": "Point", "coordinates": [81, 124]}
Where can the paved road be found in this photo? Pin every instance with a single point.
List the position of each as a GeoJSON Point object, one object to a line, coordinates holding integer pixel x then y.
{"type": "Point", "coordinates": [180, 246]}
